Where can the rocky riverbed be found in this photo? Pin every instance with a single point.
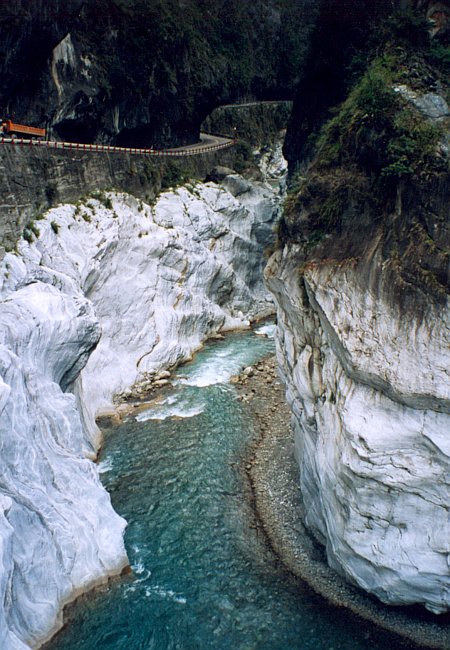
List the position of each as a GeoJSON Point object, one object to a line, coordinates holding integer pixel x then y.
{"type": "Point", "coordinates": [273, 472]}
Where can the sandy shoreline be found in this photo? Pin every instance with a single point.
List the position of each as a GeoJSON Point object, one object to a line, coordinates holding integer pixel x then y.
{"type": "Point", "coordinates": [273, 473]}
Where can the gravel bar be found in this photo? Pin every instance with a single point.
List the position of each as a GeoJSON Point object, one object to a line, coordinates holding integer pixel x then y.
{"type": "Point", "coordinates": [273, 473]}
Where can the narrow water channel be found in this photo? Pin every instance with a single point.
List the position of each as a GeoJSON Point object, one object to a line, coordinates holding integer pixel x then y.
{"type": "Point", "coordinates": [203, 575]}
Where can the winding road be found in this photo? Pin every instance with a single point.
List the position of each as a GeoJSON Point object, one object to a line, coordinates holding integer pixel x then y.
{"type": "Point", "coordinates": [208, 143]}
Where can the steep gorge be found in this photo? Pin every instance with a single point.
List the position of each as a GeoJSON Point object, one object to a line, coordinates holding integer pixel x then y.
{"type": "Point", "coordinates": [360, 277]}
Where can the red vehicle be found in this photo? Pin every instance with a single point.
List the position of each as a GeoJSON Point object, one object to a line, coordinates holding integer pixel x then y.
{"type": "Point", "coordinates": [10, 129]}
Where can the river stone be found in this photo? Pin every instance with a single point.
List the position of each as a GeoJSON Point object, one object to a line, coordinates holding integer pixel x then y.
{"type": "Point", "coordinates": [236, 185]}
{"type": "Point", "coordinates": [159, 383]}
{"type": "Point", "coordinates": [163, 374]}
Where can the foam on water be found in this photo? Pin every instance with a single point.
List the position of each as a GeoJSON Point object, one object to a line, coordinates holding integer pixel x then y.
{"type": "Point", "coordinates": [268, 329]}
{"type": "Point", "coordinates": [219, 370]}
{"type": "Point", "coordinates": [175, 406]}
{"type": "Point", "coordinates": [221, 362]}
{"type": "Point", "coordinates": [105, 465]}
{"type": "Point", "coordinates": [138, 568]}
{"type": "Point", "coordinates": [165, 593]}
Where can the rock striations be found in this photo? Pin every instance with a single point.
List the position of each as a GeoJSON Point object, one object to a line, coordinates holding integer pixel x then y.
{"type": "Point", "coordinates": [108, 293]}
{"type": "Point", "coordinates": [370, 394]}
{"type": "Point", "coordinates": [59, 534]}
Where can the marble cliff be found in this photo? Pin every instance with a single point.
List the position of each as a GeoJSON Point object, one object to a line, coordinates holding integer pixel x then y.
{"type": "Point", "coordinates": [98, 297]}
{"type": "Point", "coordinates": [362, 289]}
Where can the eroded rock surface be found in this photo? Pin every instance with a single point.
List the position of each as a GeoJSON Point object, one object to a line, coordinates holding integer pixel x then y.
{"type": "Point", "coordinates": [370, 392]}
{"type": "Point", "coordinates": [362, 283]}
{"type": "Point", "coordinates": [59, 533]}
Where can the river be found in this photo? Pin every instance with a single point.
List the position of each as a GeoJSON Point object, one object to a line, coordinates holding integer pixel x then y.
{"type": "Point", "coordinates": [203, 574]}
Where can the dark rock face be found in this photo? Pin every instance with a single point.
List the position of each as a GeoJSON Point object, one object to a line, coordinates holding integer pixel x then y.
{"type": "Point", "coordinates": [256, 123]}
{"type": "Point", "coordinates": [34, 179]}
{"type": "Point", "coordinates": [342, 30]}
{"type": "Point", "coordinates": [145, 72]}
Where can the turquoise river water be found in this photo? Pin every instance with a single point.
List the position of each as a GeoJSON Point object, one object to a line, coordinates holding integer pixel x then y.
{"type": "Point", "coordinates": [203, 576]}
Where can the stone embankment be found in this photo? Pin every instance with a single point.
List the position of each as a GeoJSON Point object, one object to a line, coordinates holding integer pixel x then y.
{"type": "Point", "coordinates": [34, 180]}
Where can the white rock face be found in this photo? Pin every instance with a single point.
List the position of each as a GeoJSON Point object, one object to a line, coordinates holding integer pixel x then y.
{"type": "Point", "coordinates": [163, 280]}
{"type": "Point", "coordinates": [370, 393]}
{"type": "Point", "coordinates": [272, 163]}
{"type": "Point", "coordinates": [59, 533]}
{"type": "Point", "coordinates": [103, 297]}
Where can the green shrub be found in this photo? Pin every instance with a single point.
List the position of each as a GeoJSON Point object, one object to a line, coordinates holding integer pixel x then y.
{"type": "Point", "coordinates": [244, 156]}
{"type": "Point", "coordinates": [34, 229]}
{"type": "Point", "coordinates": [55, 226]}
{"type": "Point", "coordinates": [439, 55]}
{"type": "Point", "coordinates": [412, 145]}
{"type": "Point", "coordinates": [151, 173]}
{"type": "Point", "coordinates": [30, 231]}
{"type": "Point", "coordinates": [175, 173]}
{"type": "Point", "coordinates": [27, 235]}
{"type": "Point", "coordinates": [172, 176]}
{"type": "Point", "coordinates": [378, 129]}
{"type": "Point", "coordinates": [367, 110]}
{"type": "Point", "coordinates": [404, 27]}
{"type": "Point", "coordinates": [101, 197]}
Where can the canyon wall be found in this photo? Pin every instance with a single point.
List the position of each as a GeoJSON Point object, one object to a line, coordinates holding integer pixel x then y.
{"type": "Point", "coordinates": [361, 281]}
{"type": "Point", "coordinates": [35, 179]}
{"type": "Point", "coordinates": [145, 73]}
{"type": "Point", "coordinates": [369, 388]}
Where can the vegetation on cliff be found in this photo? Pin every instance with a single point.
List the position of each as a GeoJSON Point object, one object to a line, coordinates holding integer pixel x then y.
{"type": "Point", "coordinates": [377, 181]}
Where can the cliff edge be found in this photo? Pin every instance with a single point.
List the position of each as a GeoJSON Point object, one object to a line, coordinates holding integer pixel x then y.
{"type": "Point", "coordinates": [361, 280]}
